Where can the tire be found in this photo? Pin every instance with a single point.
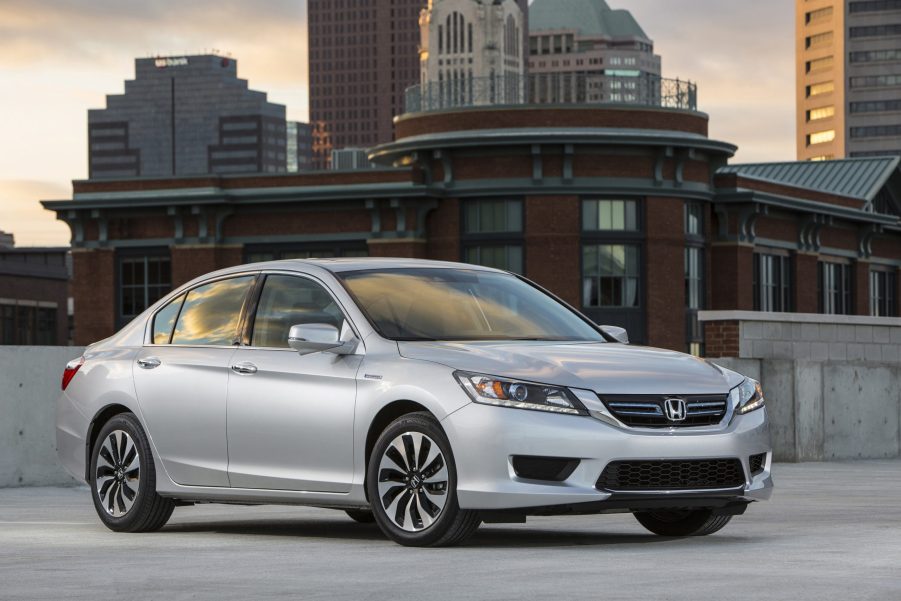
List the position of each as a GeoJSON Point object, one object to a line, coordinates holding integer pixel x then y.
{"type": "Point", "coordinates": [416, 506]}
{"type": "Point", "coordinates": [699, 522]}
{"type": "Point", "coordinates": [115, 477]}
{"type": "Point", "coordinates": [361, 516]}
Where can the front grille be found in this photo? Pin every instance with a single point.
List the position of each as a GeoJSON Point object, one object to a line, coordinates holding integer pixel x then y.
{"type": "Point", "coordinates": [689, 474]}
{"type": "Point", "coordinates": [643, 411]}
{"type": "Point", "coordinates": [755, 462]}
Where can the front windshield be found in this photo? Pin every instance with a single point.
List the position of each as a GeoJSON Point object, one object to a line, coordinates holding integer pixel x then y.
{"type": "Point", "coordinates": [461, 304]}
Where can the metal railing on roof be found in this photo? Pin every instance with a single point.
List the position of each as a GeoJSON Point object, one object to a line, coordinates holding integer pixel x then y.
{"type": "Point", "coordinates": [553, 88]}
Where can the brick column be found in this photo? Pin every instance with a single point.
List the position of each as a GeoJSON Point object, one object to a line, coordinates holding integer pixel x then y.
{"type": "Point", "coordinates": [731, 278]}
{"type": "Point", "coordinates": [552, 244]}
{"type": "Point", "coordinates": [804, 282]}
{"type": "Point", "coordinates": [721, 339]}
{"type": "Point", "coordinates": [665, 273]}
{"type": "Point", "coordinates": [93, 288]}
{"type": "Point", "coordinates": [189, 262]}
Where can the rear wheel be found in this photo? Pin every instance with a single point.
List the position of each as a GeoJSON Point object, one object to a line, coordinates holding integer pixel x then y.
{"type": "Point", "coordinates": [699, 522]}
{"type": "Point", "coordinates": [123, 479]}
{"type": "Point", "coordinates": [412, 485]}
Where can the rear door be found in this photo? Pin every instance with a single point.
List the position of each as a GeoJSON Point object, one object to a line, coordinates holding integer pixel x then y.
{"type": "Point", "coordinates": [181, 379]}
{"type": "Point", "coordinates": [290, 417]}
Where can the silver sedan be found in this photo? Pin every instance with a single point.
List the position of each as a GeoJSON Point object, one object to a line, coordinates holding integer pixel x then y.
{"type": "Point", "coordinates": [428, 397]}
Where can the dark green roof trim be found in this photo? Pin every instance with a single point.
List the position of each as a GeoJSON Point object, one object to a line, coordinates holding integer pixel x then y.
{"type": "Point", "coordinates": [529, 136]}
{"type": "Point", "coordinates": [860, 178]}
{"type": "Point", "coordinates": [743, 196]}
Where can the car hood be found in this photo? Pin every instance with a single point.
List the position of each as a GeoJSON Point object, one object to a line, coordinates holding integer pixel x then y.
{"type": "Point", "coordinates": [606, 368]}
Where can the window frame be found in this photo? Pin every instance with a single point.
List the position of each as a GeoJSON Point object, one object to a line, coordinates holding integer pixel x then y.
{"type": "Point", "coordinates": [785, 285]}
{"type": "Point", "coordinates": [846, 289]}
{"type": "Point", "coordinates": [694, 331]}
{"type": "Point", "coordinates": [508, 238]}
{"type": "Point", "coordinates": [889, 302]}
{"type": "Point", "coordinates": [122, 254]}
{"type": "Point", "coordinates": [172, 296]}
{"type": "Point", "coordinates": [633, 319]}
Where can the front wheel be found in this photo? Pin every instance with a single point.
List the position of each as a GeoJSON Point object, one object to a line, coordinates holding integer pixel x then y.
{"type": "Point", "coordinates": [123, 478]}
{"type": "Point", "coordinates": [411, 481]}
{"type": "Point", "coordinates": [699, 522]}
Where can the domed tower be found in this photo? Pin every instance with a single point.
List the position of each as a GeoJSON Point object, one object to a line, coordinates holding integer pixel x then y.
{"type": "Point", "coordinates": [472, 52]}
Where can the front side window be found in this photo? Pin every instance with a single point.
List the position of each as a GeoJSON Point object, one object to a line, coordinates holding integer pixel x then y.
{"type": "Point", "coordinates": [883, 290]}
{"type": "Point", "coordinates": [772, 283]}
{"type": "Point", "coordinates": [211, 313]}
{"type": "Point", "coordinates": [460, 304]}
{"type": "Point", "coordinates": [143, 280]}
{"type": "Point", "coordinates": [834, 288]}
{"type": "Point", "coordinates": [288, 301]}
{"type": "Point", "coordinates": [610, 275]}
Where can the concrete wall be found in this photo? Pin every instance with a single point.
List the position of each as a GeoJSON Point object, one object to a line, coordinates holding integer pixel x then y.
{"type": "Point", "coordinates": [29, 386]}
{"type": "Point", "coordinates": [822, 410]}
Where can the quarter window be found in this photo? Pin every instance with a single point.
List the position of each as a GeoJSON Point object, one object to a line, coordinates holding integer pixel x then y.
{"type": "Point", "coordinates": [211, 313]}
{"type": "Point", "coordinates": [164, 322]}
{"type": "Point", "coordinates": [288, 301]}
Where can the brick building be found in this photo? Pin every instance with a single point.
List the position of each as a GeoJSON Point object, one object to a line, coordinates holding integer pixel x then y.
{"type": "Point", "coordinates": [34, 285]}
{"type": "Point", "coordinates": [630, 213]}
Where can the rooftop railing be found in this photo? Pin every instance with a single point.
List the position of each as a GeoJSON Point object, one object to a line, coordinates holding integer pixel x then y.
{"type": "Point", "coordinates": [553, 88]}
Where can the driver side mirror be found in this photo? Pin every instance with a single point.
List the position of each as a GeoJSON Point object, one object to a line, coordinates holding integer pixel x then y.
{"type": "Point", "coordinates": [617, 333]}
{"type": "Point", "coordinates": [317, 337]}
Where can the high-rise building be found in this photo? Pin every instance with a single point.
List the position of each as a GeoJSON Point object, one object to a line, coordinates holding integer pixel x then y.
{"type": "Point", "coordinates": [472, 52]}
{"type": "Point", "coordinates": [582, 50]}
{"type": "Point", "coordinates": [186, 115]}
{"type": "Point", "coordinates": [299, 146]}
{"type": "Point", "coordinates": [363, 56]}
{"type": "Point", "coordinates": [848, 78]}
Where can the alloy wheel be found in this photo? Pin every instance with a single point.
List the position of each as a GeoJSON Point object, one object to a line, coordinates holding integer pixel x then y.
{"type": "Point", "coordinates": [118, 476]}
{"type": "Point", "coordinates": [413, 481]}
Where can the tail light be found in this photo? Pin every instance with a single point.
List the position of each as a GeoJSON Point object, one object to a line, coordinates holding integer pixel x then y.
{"type": "Point", "coordinates": [71, 369]}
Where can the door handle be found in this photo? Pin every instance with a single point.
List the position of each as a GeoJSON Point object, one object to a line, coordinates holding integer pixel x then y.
{"type": "Point", "coordinates": [244, 368]}
{"type": "Point", "coordinates": [149, 363]}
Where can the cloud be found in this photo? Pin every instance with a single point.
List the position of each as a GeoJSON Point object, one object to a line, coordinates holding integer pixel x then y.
{"type": "Point", "coordinates": [23, 215]}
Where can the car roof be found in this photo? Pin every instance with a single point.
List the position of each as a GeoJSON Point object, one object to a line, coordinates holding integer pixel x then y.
{"type": "Point", "coordinates": [337, 265]}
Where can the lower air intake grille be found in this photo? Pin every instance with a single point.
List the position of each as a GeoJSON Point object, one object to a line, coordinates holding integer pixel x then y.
{"type": "Point", "coordinates": [690, 474]}
{"type": "Point", "coordinates": [755, 462]}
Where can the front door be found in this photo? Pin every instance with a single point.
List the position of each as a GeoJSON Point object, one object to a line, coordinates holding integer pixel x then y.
{"type": "Point", "coordinates": [290, 417]}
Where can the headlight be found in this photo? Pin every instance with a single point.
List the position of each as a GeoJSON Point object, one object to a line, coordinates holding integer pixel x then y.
{"type": "Point", "coordinates": [748, 396]}
{"type": "Point", "coordinates": [490, 390]}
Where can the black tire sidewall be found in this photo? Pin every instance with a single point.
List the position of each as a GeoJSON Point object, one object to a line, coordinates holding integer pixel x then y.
{"type": "Point", "coordinates": [147, 484]}
{"type": "Point", "coordinates": [424, 424]}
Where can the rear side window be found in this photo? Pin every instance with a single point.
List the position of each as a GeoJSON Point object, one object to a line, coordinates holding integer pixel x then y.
{"type": "Point", "coordinates": [289, 301]}
{"type": "Point", "coordinates": [164, 321]}
{"type": "Point", "coordinates": [211, 313]}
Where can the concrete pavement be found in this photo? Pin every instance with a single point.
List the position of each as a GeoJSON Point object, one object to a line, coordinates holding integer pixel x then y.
{"type": "Point", "coordinates": [832, 531]}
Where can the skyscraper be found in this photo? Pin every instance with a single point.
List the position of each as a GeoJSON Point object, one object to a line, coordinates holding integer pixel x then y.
{"type": "Point", "coordinates": [848, 78]}
{"type": "Point", "coordinates": [186, 115]}
{"type": "Point", "coordinates": [472, 52]}
{"type": "Point", "coordinates": [584, 50]}
{"type": "Point", "coordinates": [363, 55]}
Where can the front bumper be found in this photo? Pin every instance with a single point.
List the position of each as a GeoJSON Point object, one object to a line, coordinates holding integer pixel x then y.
{"type": "Point", "coordinates": [485, 438]}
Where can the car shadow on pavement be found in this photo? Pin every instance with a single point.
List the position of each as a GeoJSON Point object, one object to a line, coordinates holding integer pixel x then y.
{"type": "Point", "coordinates": [485, 537]}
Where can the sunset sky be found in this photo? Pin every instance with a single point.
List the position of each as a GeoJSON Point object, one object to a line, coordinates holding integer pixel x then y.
{"type": "Point", "coordinates": [58, 58]}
